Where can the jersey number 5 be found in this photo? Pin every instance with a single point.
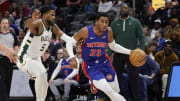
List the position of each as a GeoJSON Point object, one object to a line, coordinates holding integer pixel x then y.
{"type": "Point", "coordinates": [43, 47]}
{"type": "Point", "coordinates": [95, 52]}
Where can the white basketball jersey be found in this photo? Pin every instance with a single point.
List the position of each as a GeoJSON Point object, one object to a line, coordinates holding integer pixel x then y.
{"type": "Point", "coordinates": [38, 45]}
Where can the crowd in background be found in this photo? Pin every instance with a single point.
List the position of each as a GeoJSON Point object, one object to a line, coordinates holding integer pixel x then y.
{"type": "Point", "coordinates": [161, 27]}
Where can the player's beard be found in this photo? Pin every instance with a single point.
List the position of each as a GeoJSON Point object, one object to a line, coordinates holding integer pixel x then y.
{"type": "Point", "coordinates": [50, 23]}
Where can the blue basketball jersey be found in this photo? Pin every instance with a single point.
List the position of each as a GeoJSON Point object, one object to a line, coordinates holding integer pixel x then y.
{"type": "Point", "coordinates": [66, 69]}
{"type": "Point", "coordinates": [93, 50]}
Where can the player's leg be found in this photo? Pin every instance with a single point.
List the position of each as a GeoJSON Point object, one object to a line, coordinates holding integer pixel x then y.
{"type": "Point", "coordinates": [54, 89]}
{"type": "Point", "coordinates": [114, 85]}
{"type": "Point", "coordinates": [36, 68]}
{"type": "Point", "coordinates": [103, 85]}
{"type": "Point", "coordinates": [97, 77]}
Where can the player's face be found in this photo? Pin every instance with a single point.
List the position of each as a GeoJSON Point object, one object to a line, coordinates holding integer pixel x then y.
{"type": "Point", "coordinates": [51, 17]}
{"type": "Point", "coordinates": [102, 23]}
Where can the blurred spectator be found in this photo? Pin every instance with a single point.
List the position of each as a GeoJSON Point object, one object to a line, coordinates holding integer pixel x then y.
{"type": "Point", "coordinates": [49, 2]}
{"type": "Point", "coordinates": [67, 77]}
{"type": "Point", "coordinates": [150, 18]}
{"type": "Point", "coordinates": [147, 73]}
{"type": "Point", "coordinates": [157, 26]}
{"type": "Point", "coordinates": [14, 27]}
{"type": "Point", "coordinates": [56, 46]}
{"type": "Point", "coordinates": [165, 12]}
{"type": "Point", "coordinates": [72, 2]}
{"type": "Point", "coordinates": [21, 35]}
{"type": "Point", "coordinates": [35, 15]}
{"type": "Point", "coordinates": [151, 49]}
{"type": "Point", "coordinates": [105, 5]}
{"type": "Point", "coordinates": [25, 9]}
{"type": "Point", "coordinates": [174, 14]}
{"type": "Point", "coordinates": [74, 5]}
{"type": "Point", "coordinates": [173, 28]}
{"type": "Point", "coordinates": [60, 3]}
{"type": "Point", "coordinates": [14, 8]}
{"type": "Point", "coordinates": [59, 55]}
{"type": "Point", "coordinates": [35, 6]}
{"type": "Point", "coordinates": [117, 5]}
{"type": "Point", "coordinates": [19, 21]}
{"type": "Point", "coordinates": [164, 59]}
{"type": "Point", "coordinates": [159, 40]}
{"type": "Point", "coordinates": [147, 36]}
{"type": "Point", "coordinates": [174, 37]}
{"type": "Point", "coordinates": [88, 6]}
{"type": "Point", "coordinates": [9, 39]}
{"type": "Point", "coordinates": [62, 24]}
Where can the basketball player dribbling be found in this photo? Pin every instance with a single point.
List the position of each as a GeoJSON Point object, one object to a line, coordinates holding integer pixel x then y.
{"type": "Point", "coordinates": [96, 65]}
{"type": "Point", "coordinates": [34, 45]}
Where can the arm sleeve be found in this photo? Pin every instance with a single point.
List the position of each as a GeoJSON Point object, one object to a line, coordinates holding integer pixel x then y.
{"type": "Point", "coordinates": [65, 37]}
{"type": "Point", "coordinates": [118, 48]}
{"type": "Point", "coordinates": [57, 70]}
{"type": "Point", "coordinates": [69, 45]}
{"type": "Point", "coordinates": [75, 71]}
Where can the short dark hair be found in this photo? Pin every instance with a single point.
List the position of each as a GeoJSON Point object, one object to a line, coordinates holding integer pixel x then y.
{"type": "Point", "coordinates": [101, 14]}
{"type": "Point", "coordinates": [44, 9]}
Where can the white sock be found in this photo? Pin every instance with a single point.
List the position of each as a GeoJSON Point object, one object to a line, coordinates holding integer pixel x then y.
{"type": "Point", "coordinates": [105, 87]}
{"type": "Point", "coordinates": [41, 86]}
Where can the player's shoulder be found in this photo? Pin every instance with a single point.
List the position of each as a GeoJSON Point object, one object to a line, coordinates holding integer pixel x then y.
{"type": "Point", "coordinates": [36, 23]}
{"type": "Point", "coordinates": [109, 29]}
{"type": "Point", "coordinates": [84, 30]}
{"type": "Point", "coordinates": [36, 27]}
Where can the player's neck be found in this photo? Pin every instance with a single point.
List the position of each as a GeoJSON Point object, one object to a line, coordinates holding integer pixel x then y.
{"type": "Point", "coordinates": [97, 31]}
{"type": "Point", "coordinates": [45, 23]}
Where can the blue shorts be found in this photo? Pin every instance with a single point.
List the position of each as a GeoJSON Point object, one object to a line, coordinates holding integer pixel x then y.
{"type": "Point", "coordinates": [99, 71]}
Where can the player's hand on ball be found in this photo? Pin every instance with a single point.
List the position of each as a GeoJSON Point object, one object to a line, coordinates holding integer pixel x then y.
{"type": "Point", "coordinates": [73, 63]}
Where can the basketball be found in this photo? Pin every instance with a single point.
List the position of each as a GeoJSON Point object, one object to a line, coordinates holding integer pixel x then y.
{"type": "Point", "coordinates": [137, 57]}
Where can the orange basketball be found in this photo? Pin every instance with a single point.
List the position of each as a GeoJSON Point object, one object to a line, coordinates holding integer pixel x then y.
{"type": "Point", "coordinates": [137, 57]}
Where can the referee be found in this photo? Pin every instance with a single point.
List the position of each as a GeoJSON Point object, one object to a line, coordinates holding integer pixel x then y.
{"type": "Point", "coordinates": [6, 67]}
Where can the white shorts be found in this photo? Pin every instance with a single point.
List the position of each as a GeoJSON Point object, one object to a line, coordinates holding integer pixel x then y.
{"type": "Point", "coordinates": [32, 66]}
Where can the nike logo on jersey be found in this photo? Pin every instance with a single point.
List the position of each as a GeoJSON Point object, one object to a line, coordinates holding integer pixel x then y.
{"type": "Point", "coordinates": [103, 37]}
{"type": "Point", "coordinates": [92, 38]}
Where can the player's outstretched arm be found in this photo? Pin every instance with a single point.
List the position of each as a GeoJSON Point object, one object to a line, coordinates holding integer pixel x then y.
{"type": "Point", "coordinates": [82, 34]}
{"type": "Point", "coordinates": [59, 33]}
{"type": "Point", "coordinates": [114, 46]}
{"type": "Point", "coordinates": [9, 53]}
